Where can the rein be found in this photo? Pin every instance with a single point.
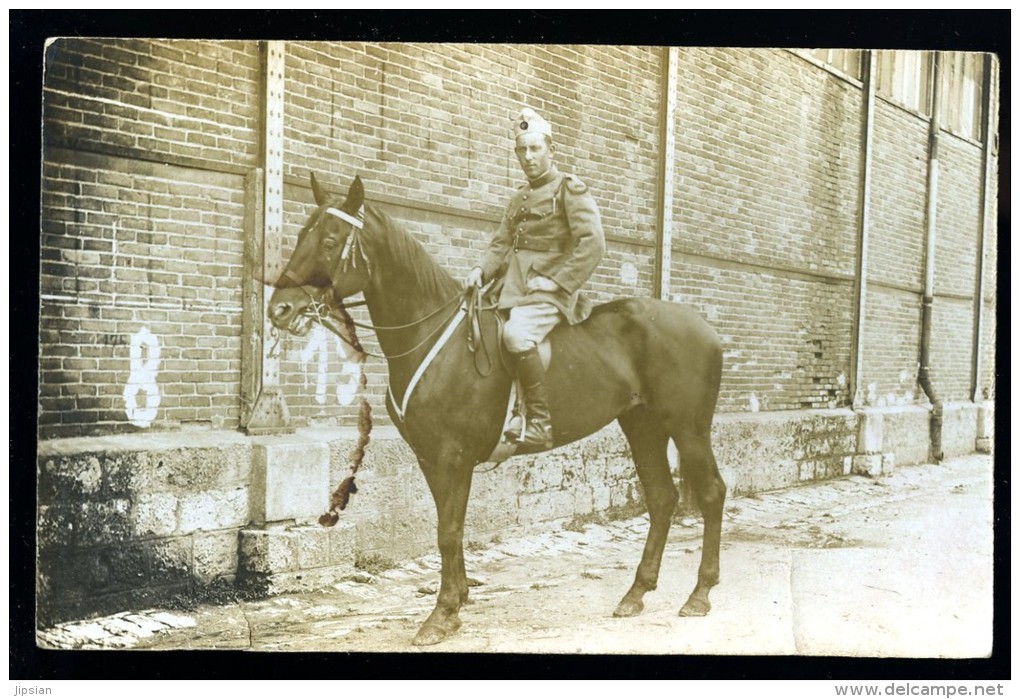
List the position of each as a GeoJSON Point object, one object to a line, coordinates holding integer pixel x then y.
{"type": "Point", "coordinates": [319, 310]}
{"type": "Point", "coordinates": [324, 312]}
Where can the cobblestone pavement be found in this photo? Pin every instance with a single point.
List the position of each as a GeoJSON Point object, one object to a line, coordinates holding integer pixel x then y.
{"type": "Point", "coordinates": [899, 565]}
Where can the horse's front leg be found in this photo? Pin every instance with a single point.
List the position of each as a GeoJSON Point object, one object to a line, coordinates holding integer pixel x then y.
{"type": "Point", "coordinates": [450, 483]}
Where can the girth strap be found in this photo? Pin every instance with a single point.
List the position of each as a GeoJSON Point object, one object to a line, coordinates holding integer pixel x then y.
{"type": "Point", "coordinates": [470, 308]}
{"type": "Point", "coordinates": [401, 408]}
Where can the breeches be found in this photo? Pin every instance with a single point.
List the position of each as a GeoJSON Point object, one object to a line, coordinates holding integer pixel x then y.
{"type": "Point", "coordinates": [529, 324]}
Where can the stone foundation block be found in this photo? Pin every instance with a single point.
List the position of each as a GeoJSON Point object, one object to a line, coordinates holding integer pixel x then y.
{"type": "Point", "coordinates": [341, 544]}
{"type": "Point", "coordinates": [304, 580]}
{"type": "Point", "coordinates": [547, 506]}
{"type": "Point", "coordinates": [311, 545]}
{"type": "Point", "coordinates": [870, 432]}
{"type": "Point", "coordinates": [155, 514]}
{"type": "Point", "coordinates": [212, 510]}
{"type": "Point", "coordinates": [290, 558]}
{"type": "Point", "coordinates": [868, 465]}
{"type": "Point", "coordinates": [266, 551]}
{"type": "Point", "coordinates": [215, 555]}
{"type": "Point", "coordinates": [290, 482]}
{"type": "Point", "coordinates": [985, 428]}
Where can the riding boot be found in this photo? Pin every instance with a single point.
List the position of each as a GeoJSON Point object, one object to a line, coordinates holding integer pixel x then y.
{"type": "Point", "coordinates": [531, 377]}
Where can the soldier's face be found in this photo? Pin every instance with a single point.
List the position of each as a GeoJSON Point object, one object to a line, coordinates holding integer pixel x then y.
{"type": "Point", "coordinates": [534, 153]}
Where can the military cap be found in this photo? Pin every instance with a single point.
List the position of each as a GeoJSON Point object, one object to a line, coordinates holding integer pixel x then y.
{"type": "Point", "coordinates": [530, 122]}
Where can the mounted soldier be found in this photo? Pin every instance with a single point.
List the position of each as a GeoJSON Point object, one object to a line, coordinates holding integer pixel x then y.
{"type": "Point", "coordinates": [548, 244]}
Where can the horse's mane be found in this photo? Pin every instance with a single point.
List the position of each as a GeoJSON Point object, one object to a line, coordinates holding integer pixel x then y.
{"type": "Point", "coordinates": [409, 255]}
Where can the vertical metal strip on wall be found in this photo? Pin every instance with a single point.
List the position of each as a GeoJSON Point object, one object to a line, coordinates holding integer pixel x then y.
{"type": "Point", "coordinates": [863, 207]}
{"type": "Point", "coordinates": [273, 158]}
{"type": "Point", "coordinates": [988, 102]}
{"type": "Point", "coordinates": [269, 413]}
{"type": "Point", "coordinates": [253, 292]}
{"type": "Point", "coordinates": [667, 163]}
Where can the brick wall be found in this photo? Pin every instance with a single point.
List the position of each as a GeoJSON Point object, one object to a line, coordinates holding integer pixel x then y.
{"type": "Point", "coordinates": [766, 161]}
{"type": "Point", "coordinates": [784, 335]}
{"type": "Point", "coordinates": [899, 181]}
{"type": "Point", "coordinates": [959, 218]}
{"type": "Point", "coordinates": [147, 144]}
{"type": "Point", "coordinates": [194, 99]}
{"type": "Point", "coordinates": [127, 247]}
{"type": "Point", "coordinates": [952, 347]}
{"type": "Point", "coordinates": [142, 213]}
{"type": "Point", "coordinates": [896, 249]}
{"type": "Point", "coordinates": [892, 337]}
{"type": "Point", "coordinates": [432, 123]}
{"type": "Point", "coordinates": [429, 129]}
{"type": "Point", "coordinates": [767, 151]}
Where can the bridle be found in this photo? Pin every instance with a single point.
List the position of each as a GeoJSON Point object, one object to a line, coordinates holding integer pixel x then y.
{"type": "Point", "coordinates": [353, 249]}
{"type": "Point", "coordinates": [322, 311]}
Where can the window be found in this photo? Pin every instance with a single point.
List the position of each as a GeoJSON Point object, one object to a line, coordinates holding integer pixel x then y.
{"type": "Point", "coordinates": [962, 92]}
{"type": "Point", "coordinates": [904, 77]}
{"type": "Point", "coordinates": [847, 61]}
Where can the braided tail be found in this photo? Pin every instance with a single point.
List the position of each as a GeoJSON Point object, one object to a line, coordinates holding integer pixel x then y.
{"type": "Point", "coordinates": [342, 495]}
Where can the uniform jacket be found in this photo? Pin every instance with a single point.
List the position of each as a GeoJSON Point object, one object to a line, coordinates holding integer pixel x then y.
{"type": "Point", "coordinates": [551, 227]}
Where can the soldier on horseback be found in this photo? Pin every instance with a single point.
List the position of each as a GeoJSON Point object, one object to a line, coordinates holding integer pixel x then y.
{"type": "Point", "coordinates": [548, 244]}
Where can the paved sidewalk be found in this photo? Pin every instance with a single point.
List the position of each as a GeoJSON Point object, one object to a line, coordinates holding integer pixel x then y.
{"type": "Point", "coordinates": [899, 565]}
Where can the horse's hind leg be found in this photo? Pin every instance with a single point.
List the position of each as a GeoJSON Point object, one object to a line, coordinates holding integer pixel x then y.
{"type": "Point", "coordinates": [648, 441]}
{"type": "Point", "coordinates": [697, 464]}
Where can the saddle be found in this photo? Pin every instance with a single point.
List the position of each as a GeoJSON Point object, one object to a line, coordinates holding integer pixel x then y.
{"type": "Point", "coordinates": [477, 300]}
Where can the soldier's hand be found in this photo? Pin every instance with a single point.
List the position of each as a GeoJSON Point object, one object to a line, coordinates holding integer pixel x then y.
{"type": "Point", "coordinates": [474, 277]}
{"type": "Point", "coordinates": [541, 283]}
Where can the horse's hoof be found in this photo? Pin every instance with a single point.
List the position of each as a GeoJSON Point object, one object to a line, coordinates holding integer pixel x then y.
{"type": "Point", "coordinates": [431, 634]}
{"type": "Point", "coordinates": [628, 607]}
{"type": "Point", "coordinates": [695, 607]}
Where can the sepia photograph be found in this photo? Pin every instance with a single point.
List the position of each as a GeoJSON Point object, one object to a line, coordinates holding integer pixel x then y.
{"type": "Point", "coordinates": [491, 347]}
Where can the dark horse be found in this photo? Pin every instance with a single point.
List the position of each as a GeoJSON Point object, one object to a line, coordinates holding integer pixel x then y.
{"type": "Point", "coordinates": [652, 365]}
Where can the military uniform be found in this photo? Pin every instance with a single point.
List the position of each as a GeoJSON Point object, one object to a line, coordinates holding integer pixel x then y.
{"type": "Point", "coordinates": [549, 242]}
{"type": "Point", "coordinates": [550, 227]}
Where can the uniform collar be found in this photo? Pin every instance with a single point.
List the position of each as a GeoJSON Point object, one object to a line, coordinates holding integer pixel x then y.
{"type": "Point", "coordinates": [545, 178]}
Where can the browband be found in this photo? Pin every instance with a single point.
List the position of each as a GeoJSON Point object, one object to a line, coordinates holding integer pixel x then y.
{"type": "Point", "coordinates": [356, 222]}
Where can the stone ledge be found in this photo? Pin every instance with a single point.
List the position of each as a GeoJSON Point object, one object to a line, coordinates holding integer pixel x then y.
{"type": "Point", "coordinates": [295, 556]}
{"type": "Point", "coordinates": [158, 495]}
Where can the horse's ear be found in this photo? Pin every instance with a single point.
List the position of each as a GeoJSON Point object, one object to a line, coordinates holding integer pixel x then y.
{"type": "Point", "coordinates": [356, 195]}
{"type": "Point", "coordinates": [320, 194]}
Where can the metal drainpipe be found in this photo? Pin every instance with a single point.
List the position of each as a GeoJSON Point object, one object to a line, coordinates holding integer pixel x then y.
{"type": "Point", "coordinates": [924, 373]}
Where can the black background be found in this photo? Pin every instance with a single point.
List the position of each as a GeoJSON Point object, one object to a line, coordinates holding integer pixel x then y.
{"type": "Point", "coordinates": [934, 30]}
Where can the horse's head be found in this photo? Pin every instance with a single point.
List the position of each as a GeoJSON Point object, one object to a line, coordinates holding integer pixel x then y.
{"type": "Point", "coordinates": [329, 261]}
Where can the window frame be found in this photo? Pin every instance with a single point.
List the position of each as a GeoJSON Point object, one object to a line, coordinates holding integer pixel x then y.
{"type": "Point", "coordinates": [963, 85]}
{"type": "Point", "coordinates": [906, 78]}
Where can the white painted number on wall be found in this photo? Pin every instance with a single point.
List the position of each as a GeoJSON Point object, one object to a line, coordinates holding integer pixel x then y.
{"type": "Point", "coordinates": [347, 389]}
{"type": "Point", "coordinates": [316, 355]}
{"type": "Point", "coordinates": [142, 379]}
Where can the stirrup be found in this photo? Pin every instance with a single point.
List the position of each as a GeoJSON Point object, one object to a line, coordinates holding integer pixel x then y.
{"type": "Point", "coordinates": [514, 431]}
{"type": "Point", "coordinates": [537, 436]}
